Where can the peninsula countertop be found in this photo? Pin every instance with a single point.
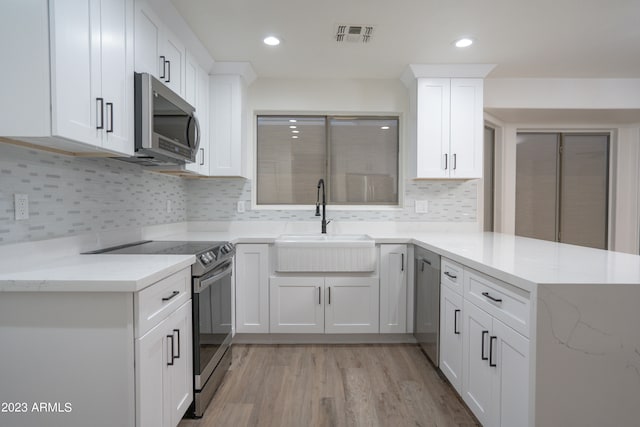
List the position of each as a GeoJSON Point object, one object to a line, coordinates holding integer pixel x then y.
{"type": "Point", "coordinates": [520, 261]}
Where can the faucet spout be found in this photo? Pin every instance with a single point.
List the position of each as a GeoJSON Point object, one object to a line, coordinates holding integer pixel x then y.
{"type": "Point", "coordinates": [324, 205]}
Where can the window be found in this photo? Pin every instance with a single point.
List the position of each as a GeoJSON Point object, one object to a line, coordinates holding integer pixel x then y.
{"type": "Point", "coordinates": [356, 156]}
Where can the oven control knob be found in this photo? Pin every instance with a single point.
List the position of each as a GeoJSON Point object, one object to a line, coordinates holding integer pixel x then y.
{"type": "Point", "coordinates": [213, 255]}
{"type": "Point", "coordinates": [224, 249]}
{"type": "Point", "coordinates": [204, 259]}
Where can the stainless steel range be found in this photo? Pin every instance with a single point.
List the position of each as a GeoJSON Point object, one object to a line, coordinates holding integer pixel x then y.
{"type": "Point", "coordinates": [211, 294]}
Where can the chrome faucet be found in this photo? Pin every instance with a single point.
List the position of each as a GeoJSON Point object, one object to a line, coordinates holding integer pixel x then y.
{"type": "Point", "coordinates": [324, 206]}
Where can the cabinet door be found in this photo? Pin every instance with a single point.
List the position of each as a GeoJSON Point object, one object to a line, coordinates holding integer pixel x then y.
{"type": "Point", "coordinates": [174, 53]}
{"type": "Point", "coordinates": [296, 304]}
{"type": "Point", "coordinates": [511, 389]}
{"type": "Point", "coordinates": [467, 124]}
{"type": "Point", "coordinates": [451, 337]}
{"type": "Point", "coordinates": [147, 40]}
{"type": "Point", "coordinates": [226, 137]}
{"type": "Point", "coordinates": [252, 288]}
{"type": "Point", "coordinates": [117, 75]}
{"type": "Point", "coordinates": [477, 375]}
{"type": "Point", "coordinates": [433, 110]}
{"type": "Point", "coordinates": [151, 358]}
{"type": "Point", "coordinates": [352, 305]}
{"type": "Point", "coordinates": [179, 367]}
{"type": "Point", "coordinates": [197, 94]}
{"type": "Point", "coordinates": [393, 288]}
{"type": "Point", "coordinates": [77, 112]}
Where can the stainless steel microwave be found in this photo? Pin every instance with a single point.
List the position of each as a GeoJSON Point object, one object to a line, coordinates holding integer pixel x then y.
{"type": "Point", "coordinates": [167, 131]}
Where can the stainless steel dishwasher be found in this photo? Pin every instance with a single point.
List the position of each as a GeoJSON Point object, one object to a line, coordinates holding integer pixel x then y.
{"type": "Point", "coordinates": [427, 302]}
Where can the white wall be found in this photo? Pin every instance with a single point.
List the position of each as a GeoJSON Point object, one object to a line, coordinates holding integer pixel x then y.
{"type": "Point", "coordinates": [562, 93]}
{"type": "Point", "coordinates": [567, 98]}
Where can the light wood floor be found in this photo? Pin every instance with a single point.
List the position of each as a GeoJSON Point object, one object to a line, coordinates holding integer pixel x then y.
{"type": "Point", "coordinates": [333, 385]}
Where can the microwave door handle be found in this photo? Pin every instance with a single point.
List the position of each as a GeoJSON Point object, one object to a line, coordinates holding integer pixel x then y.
{"type": "Point", "coordinates": [197, 122]}
{"type": "Point", "coordinates": [193, 119]}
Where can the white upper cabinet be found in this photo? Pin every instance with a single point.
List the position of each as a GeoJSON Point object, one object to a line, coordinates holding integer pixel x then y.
{"type": "Point", "coordinates": [449, 136]}
{"type": "Point", "coordinates": [197, 94]}
{"type": "Point", "coordinates": [228, 113]}
{"type": "Point", "coordinates": [228, 134]}
{"type": "Point", "coordinates": [80, 73]}
{"type": "Point", "coordinates": [157, 50]}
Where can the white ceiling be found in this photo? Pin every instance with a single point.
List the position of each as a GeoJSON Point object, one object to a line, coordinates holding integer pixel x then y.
{"type": "Point", "coordinates": [525, 38]}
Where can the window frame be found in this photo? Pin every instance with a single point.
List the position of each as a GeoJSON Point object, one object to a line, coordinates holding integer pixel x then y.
{"type": "Point", "coordinates": [394, 206]}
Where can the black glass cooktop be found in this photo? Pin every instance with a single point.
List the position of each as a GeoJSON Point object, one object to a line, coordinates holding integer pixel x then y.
{"type": "Point", "coordinates": [153, 247]}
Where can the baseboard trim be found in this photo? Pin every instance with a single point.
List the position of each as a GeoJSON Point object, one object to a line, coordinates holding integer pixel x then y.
{"type": "Point", "coordinates": [324, 339]}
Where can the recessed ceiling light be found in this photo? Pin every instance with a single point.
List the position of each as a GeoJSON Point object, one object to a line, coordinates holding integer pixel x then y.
{"type": "Point", "coordinates": [293, 127]}
{"type": "Point", "coordinates": [463, 42]}
{"type": "Point", "coordinates": [292, 120]}
{"type": "Point", "coordinates": [384, 127]}
{"type": "Point", "coordinates": [295, 131]}
{"type": "Point", "coordinates": [271, 41]}
{"type": "Point", "coordinates": [294, 137]}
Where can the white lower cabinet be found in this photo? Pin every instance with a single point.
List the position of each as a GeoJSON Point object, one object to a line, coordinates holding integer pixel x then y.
{"type": "Point", "coordinates": [495, 379]}
{"type": "Point", "coordinates": [297, 304]}
{"type": "Point", "coordinates": [393, 288]}
{"type": "Point", "coordinates": [164, 373]}
{"type": "Point", "coordinates": [324, 304]}
{"type": "Point", "coordinates": [352, 305]}
{"type": "Point", "coordinates": [451, 336]}
{"type": "Point", "coordinates": [252, 288]}
{"type": "Point", "coordinates": [484, 350]}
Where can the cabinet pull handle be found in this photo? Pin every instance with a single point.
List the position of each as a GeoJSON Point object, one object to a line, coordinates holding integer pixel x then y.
{"type": "Point", "coordinates": [110, 115]}
{"type": "Point", "coordinates": [402, 263]}
{"type": "Point", "coordinates": [423, 262]}
{"type": "Point", "coordinates": [455, 321]}
{"type": "Point", "coordinates": [329, 294]}
{"type": "Point", "coordinates": [455, 163]}
{"type": "Point", "coordinates": [169, 73]}
{"type": "Point", "coordinates": [445, 162]}
{"type": "Point", "coordinates": [164, 66]}
{"type": "Point", "coordinates": [100, 111]}
{"type": "Point", "coordinates": [482, 356]}
{"type": "Point", "coordinates": [202, 161]}
{"type": "Point", "coordinates": [491, 362]}
{"type": "Point", "coordinates": [319, 293]}
{"type": "Point", "coordinates": [451, 276]}
{"type": "Point", "coordinates": [173, 294]}
{"type": "Point", "coordinates": [172, 356]}
{"type": "Point", "coordinates": [486, 294]}
{"type": "Point", "coordinates": [178, 331]}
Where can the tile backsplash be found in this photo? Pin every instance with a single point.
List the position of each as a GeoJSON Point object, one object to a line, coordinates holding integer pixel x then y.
{"type": "Point", "coordinates": [448, 201]}
{"type": "Point", "coordinates": [74, 195]}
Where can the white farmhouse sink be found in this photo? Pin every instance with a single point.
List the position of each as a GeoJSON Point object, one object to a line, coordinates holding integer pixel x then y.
{"type": "Point", "coordinates": [325, 253]}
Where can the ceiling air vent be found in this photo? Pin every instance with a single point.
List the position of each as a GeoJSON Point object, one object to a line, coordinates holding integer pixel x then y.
{"type": "Point", "coordinates": [354, 33]}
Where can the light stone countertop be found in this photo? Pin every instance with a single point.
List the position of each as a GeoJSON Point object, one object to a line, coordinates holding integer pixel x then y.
{"type": "Point", "coordinates": [95, 273]}
{"type": "Point", "coordinates": [520, 261]}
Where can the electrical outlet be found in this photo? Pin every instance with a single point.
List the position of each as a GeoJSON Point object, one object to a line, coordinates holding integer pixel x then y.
{"type": "Point", "coordinates": [240, 206]}
{"type": "Point", "coordinates": [21, 205]}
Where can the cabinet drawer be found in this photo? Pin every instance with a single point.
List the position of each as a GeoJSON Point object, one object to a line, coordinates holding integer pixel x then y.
{"type": "Point", "coordinates": [158, 301]}
{"type": "Point", "coordinates": [452, 275]}
{"type": "Point", "coordinates": [505, 302]}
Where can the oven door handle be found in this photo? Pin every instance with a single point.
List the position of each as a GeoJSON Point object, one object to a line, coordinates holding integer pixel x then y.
{"type": "Point", "coordinates": [226, 269]}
